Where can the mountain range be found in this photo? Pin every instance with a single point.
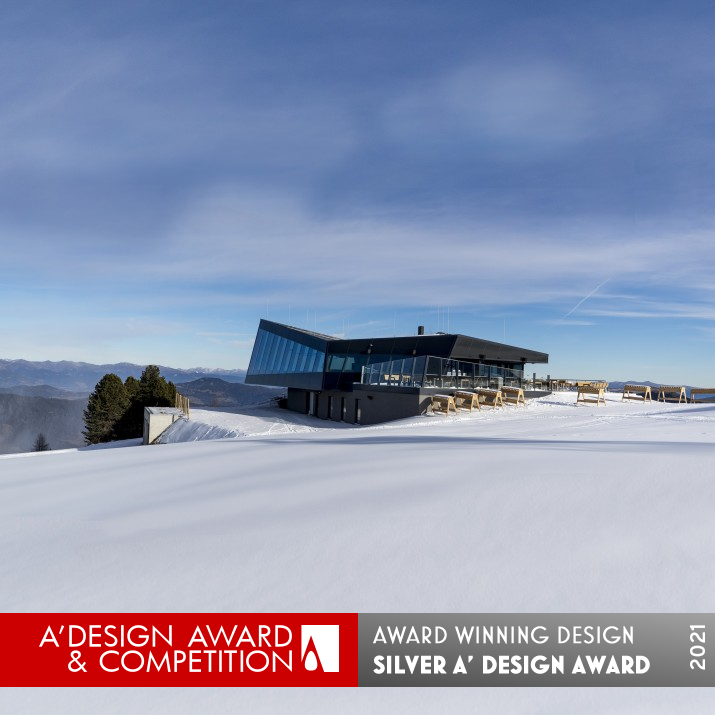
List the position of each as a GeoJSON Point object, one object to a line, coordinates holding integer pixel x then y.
{"type": "Point", "coordinates": [214, 393]}
{"type": "Point", "coordinates": [43, 391]}
{"type": "Point", "coordinates": [82, 377]}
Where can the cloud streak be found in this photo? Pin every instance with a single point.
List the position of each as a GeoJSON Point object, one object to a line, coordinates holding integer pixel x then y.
{"type": "Point", "coordinates": [585, 298]}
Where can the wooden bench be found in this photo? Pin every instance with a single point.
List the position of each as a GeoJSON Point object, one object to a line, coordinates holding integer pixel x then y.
{"type": "Point", "coordinates": [513, 395]}
{"type": "Point", "coordinates": [637, 392]}
{"type": "Point", "coordinates": [591, 388]}
{"type": "Point", "coordinates": [490, 398]}
{"type": "Point", "coordinates": [673, 390]}
{"type": "Point", "coordinates": [701, 391]}
{"type": "Point", "coordinates": [465, 399]}
{"type": "Point", "coordinates": [443, 403]}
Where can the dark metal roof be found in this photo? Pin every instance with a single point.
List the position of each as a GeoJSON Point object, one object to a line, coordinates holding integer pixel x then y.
{"type": "Point", "coordinates": [312, 333]}
{"type": "Point", "coordinates": [467, 348]}
{"type": "Point", "coordinates": [407, 345]}
{"type": "Point", "coordinates": [450, 345]}
{"type": "Point", "coordinates": [304, 337]}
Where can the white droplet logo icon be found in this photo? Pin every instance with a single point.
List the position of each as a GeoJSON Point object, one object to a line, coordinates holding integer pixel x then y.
{"type": "Point", "coordinates": [320, 648]}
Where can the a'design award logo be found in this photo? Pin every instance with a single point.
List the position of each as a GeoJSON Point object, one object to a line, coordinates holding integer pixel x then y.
{"type": "Point", "coordinates": [320, 648]}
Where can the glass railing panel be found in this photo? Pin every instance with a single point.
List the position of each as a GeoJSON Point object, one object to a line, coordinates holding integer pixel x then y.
{"type": "Point", "coordinates": [436, 372]}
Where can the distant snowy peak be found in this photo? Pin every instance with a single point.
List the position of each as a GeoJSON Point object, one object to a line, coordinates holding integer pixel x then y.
{"type": "Point", "coordinates": [213, 370]}
{"type": "Point", "coordinates": [219, 372]}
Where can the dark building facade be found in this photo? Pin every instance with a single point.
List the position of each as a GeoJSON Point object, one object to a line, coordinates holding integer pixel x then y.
{"type": "Point", "coordinates": [372, 380]}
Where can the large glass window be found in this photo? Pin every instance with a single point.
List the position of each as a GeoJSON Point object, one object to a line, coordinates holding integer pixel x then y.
{"type": "Point", "coordinates": [317, 361]}
{"type": "Point", "coordinates": [279, 356]}
{"type": "Point", "coordinates": [336, 363]}
{"type": "Point", "coordinates": [273, 354]}
{"type": "Point", "coordinates": [269, 354]}
{"type": "Point", "coordinates": [255, 356]}
{"type": "Point", "coordinates": [264, 347]}
{"type": "Point", "coordinates": [350, 362]}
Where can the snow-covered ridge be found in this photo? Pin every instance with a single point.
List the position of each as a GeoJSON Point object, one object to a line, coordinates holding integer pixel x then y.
{"type": "Point", "coordinates": [554, 409]}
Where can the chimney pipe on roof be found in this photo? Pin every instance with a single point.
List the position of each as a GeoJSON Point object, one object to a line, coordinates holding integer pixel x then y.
{"type": "Point", "coordinates": [420, 330]}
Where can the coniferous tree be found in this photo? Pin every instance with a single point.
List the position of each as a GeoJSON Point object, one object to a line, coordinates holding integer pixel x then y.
{"type": "Point", "coordinates": [132, 386]}
{"type": "Point", "coordinates": [105, 408]}
{"type": "Point", "coordinates": [41, 444]}
{"type": "Point", "coordinates": [151, 390]}
{"type": "Point", "coordinates": [154, 390]}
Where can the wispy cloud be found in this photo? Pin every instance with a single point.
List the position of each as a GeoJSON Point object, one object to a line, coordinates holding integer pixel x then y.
{"type": "Point", "coordinates": [658, 311]}
{"type": "Point", "coordinates": [523, 108]}
{"type": "Point", "coordinates": [233, 246]}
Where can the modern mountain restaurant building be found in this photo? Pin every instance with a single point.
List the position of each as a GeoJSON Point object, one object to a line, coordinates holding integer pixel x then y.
{"type": "Point", "coordinates": [371, 380]}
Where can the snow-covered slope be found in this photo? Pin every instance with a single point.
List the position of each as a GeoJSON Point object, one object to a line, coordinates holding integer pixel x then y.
{"type": "Point", "coordinates": [551, 508]}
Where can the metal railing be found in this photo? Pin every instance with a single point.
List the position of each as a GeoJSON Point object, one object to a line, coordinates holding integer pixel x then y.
{"type": "Point", "coordinates": [432, 371]}
{"type": "Point", "coordinates": [554, 384]}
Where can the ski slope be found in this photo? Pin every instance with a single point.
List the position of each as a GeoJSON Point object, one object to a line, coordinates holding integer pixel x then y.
{"type": "Point", "coordinates": [550, 508]}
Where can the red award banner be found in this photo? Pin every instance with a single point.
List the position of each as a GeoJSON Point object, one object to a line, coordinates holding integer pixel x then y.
{"type": "Point", "coordinates": [179, 649]}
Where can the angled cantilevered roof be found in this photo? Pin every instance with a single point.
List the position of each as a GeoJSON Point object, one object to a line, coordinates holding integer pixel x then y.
{"type": "Point", "coordinates": [449, 345]}
{"type": "Point", "coordinates": [468, 348]}
{"type": "Point", "coordinates": [304, 331]}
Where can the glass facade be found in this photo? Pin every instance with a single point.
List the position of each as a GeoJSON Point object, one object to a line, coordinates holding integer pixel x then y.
{"type": "Point", "coordinates": [302, 360]}
{"type": "Point", "coordinates": [431, 371]}
{"type": "Point", "coordinates": [276, 355]}
{"type": "Point", "coordinates": [349, 362]}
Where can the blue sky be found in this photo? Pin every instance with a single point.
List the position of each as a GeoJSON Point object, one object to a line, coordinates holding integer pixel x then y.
{"type": "Point", "coordinates": [536, 173]}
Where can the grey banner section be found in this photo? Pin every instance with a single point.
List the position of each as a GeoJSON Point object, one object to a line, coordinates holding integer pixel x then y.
{"type": "Point", "coordinates": [512, 650]}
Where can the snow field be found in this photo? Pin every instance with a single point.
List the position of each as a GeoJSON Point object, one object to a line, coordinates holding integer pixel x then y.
{"type": "Point", "coordinates": [552, 508]}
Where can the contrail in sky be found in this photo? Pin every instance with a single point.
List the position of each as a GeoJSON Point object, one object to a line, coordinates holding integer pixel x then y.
{"type": "Point", "coordinates": [585, 298]}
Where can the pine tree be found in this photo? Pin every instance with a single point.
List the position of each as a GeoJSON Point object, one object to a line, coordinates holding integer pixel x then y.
{"type": "Point", "coordinates": [106, 406]}
{"type": "Point", "coordinates": [151, 390]}
{"type": "Point", "coordinates": [41, 444]}
{"type": "Point", "coordinates": [154, 390]}
{"type": "Point", "coordinates": [132, 386]}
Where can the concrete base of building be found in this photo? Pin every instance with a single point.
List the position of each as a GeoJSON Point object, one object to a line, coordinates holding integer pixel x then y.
{"type": "Point", "coordinates": [369, 404]}
{"type": "Point", "coordinates": [360, 406]}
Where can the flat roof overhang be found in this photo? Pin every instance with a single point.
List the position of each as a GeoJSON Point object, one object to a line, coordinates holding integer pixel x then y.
{"type": "Point", "coordinates": [470, 349]}
{"type": "Point", "coordinates": [455, 346]}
